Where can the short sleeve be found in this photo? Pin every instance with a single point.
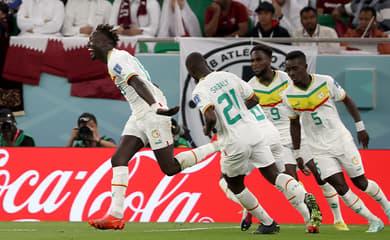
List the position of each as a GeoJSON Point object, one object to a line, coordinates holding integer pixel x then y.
{"type": "Point", "coordinates": [123, 67]}
{"type": "Point", "coordinates": [335, 90]}
{"type": "Point", "coordinates": [201, 100]}
{"type": "Point", "coordinates": [246, 91]}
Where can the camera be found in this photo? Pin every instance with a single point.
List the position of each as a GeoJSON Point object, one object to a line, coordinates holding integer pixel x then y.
{"type": "Point", "coordinates": [7, 126]}
{"type": "Point", "coordinates": [84, 133]}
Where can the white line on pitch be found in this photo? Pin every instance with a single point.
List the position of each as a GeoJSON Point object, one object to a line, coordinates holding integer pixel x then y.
{"type": "Point", "coordinates": [18, 230]}
{"type": "Point", "coordinates": [190, 229]}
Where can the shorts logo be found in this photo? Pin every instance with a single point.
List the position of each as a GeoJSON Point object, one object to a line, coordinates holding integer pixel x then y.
{"type": "Point", "coordinates": [355, 161]}
{"type": "Point", "coordinates": [155, 133]}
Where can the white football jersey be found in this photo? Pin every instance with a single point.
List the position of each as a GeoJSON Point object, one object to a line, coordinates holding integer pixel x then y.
{"type": "Point", "coordinates": [271, 101]}
{"type": "Point", "coordinates": [122, 66]}
{"type": "Point", "coordinates": [320, 120]}
{"type": "Point", "coordinates": [228, 93]}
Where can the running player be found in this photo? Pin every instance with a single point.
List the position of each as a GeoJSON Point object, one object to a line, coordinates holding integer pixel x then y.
{"type": "Point", "coordinates": [150, 122]}
{"type": "Point", "coordinates": [312, 99]}
{"type": "Point", "coordinates": [268, 84]}
{"type": "Point", "coordinates": [225, 100]}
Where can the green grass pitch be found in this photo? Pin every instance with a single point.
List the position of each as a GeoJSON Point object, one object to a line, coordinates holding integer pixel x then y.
{"type": "Point", "coordinates": [173, 231]}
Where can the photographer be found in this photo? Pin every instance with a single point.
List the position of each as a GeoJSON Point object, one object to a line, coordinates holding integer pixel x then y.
{"type": "Point", "coordinates": [180, 135]}
{"type": "Point", "coordinates": [10, 135]}
{"type": "Point", "coordinates": [86, 134]}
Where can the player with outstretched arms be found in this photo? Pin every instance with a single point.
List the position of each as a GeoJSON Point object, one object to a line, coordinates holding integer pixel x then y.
{"type": "Point", "coordinates": [150, 122]}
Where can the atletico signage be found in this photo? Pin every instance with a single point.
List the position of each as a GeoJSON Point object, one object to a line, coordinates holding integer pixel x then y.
{"type": "Point", "coordinates": [73, 184]}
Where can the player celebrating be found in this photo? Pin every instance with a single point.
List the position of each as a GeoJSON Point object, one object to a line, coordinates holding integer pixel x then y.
{"type": "Point", "coordinates": [312, 98]}
{"type": "Point", "coordinates": [268, 84]}
{"type": "Point", "coordinates": [149, 122]}
{"type": "Point", "coordinates": [225, 100]}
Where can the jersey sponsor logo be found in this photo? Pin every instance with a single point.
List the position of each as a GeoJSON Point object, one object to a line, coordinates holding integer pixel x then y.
{"type": "Point", "coordinates": [118, 68]}
{"type": "Point", "coordinates": [233, 58]}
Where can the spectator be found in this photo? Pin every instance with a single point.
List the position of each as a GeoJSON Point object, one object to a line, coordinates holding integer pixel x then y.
{"type": "Point", "coordinates": [136, 17]}
{"type": "Point", "coordinates": [178, 133]}
{"type": "Point", "coordinates": [327, 6]}
{"type": "Point", "coordinates": [10, 135]}
{"type": "Point", "coordinates": [82, 16]}
{"type": "Point", "coordinates": [178, 20]}
{"type": "Point", "coordinates": [4, 27]}
{"type": "Point", "coordinates": [367, 29]}
{"type": "Point", "coordinates": [266, 26]}
{"type": "Point", "coordinates": [86, 134]}
{"type": "Point", "coordinates": [14, 5]}
{"type": "Point", "coordinates": [287, 12]}
{"type": "Point", "coordinates": [226, 18]}
{"type": "Point", "coordinates": [353, 9]}
{"type": "Point", "coordinates": [251, 5]}
{"type": "Point", "coordinates": [311, 29]}
{"type": "Point", "coordinates": [40, 17]}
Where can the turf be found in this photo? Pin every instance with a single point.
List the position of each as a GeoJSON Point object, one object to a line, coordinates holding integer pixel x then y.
{"type": "Point", "coordinates": [172, 231]}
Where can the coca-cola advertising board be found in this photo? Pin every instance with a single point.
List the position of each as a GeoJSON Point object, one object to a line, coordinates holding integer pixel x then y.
{"type": "Point", "coordinates": [73, 184]}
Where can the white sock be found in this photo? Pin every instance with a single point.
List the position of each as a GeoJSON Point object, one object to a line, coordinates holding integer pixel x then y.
{"type": "Point", "coordinates": [357, 205]}
{"type": "Point", "coordinates": [190, 158]}
{"type": "Point", "coordinates": [227, 191]}
{"type": "Point", "coordinates": [376, 193]}
{"type": "Point", "coordinates": [333, 200]}
{"type": "Point", "coordinates": [250, 203]}
{"type": "Point", "coordinates": [294, 193]}
{"type": "Point", "coordinates": [120, 179]}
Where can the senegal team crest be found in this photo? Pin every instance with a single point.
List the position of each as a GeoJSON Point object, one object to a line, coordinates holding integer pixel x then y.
{"type": "Point", "coordinates": [155, 133]}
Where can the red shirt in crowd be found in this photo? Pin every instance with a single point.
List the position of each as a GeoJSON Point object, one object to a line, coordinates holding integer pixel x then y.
{"type": "Point", "coordinates": [229, 23]}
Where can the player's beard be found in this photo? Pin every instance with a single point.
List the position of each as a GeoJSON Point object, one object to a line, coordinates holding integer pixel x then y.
{"type": "Point", "coordinates": [262, 73]}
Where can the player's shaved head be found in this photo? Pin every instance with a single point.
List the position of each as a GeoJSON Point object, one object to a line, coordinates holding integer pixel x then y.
{"type": "Point", "coordinates": [197, 66]}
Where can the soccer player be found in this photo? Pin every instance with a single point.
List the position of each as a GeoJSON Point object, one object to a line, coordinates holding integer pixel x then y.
{"type": "Point", "coordinates": [225, 100]}
{"type": "Point", "coordinates": [312, 99]}
{"type": "Point", "coordinates": [268, 85]}
{"type": "Point", "coordinates": [149, 122]}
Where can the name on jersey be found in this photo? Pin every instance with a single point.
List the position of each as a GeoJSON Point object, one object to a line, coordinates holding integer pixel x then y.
{"type": "Point", "coordinates": [219, 85]}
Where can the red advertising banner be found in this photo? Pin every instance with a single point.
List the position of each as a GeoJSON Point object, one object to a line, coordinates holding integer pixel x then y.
{"type": "Point", "coordinates": [73, 184]}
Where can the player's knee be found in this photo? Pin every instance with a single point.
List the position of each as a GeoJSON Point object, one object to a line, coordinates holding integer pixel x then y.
{"type": "Point", "coordinates": [360, 182]}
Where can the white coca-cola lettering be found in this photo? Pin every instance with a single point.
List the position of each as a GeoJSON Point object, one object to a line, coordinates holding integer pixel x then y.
{"type": "Point", "coordinates": [35, 202]}
{"type": "Point", "coordinates": [3, 160]}
{"type": "Point", "coordinates": [47, 193]}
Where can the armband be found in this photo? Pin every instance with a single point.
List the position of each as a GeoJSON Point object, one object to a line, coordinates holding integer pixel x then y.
{"type": "Point", "coordinates": [359, 126]}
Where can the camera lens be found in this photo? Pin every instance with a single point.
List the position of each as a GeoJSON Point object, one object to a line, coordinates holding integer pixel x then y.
{"type": "Point", "coordinates": [84, 133]}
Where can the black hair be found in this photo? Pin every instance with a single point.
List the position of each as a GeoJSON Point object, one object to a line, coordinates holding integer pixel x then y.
{"type": "Point", "coordinates": [264, 48]}
{"type": "Point", "coordinates": [108, 31]}
{"type": "Point", "coordinates": [85, 117]}
{"type": "Point", "coordinates": [6, 113]}
{"type": "Point", "coordinates": [307, 9]}
{"type": "Point", "coordinates": [296, 55]}
{"type": "Point", "coordinates": [4, 8]}
{"type": "Point", "coordinates": [369, 9]}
